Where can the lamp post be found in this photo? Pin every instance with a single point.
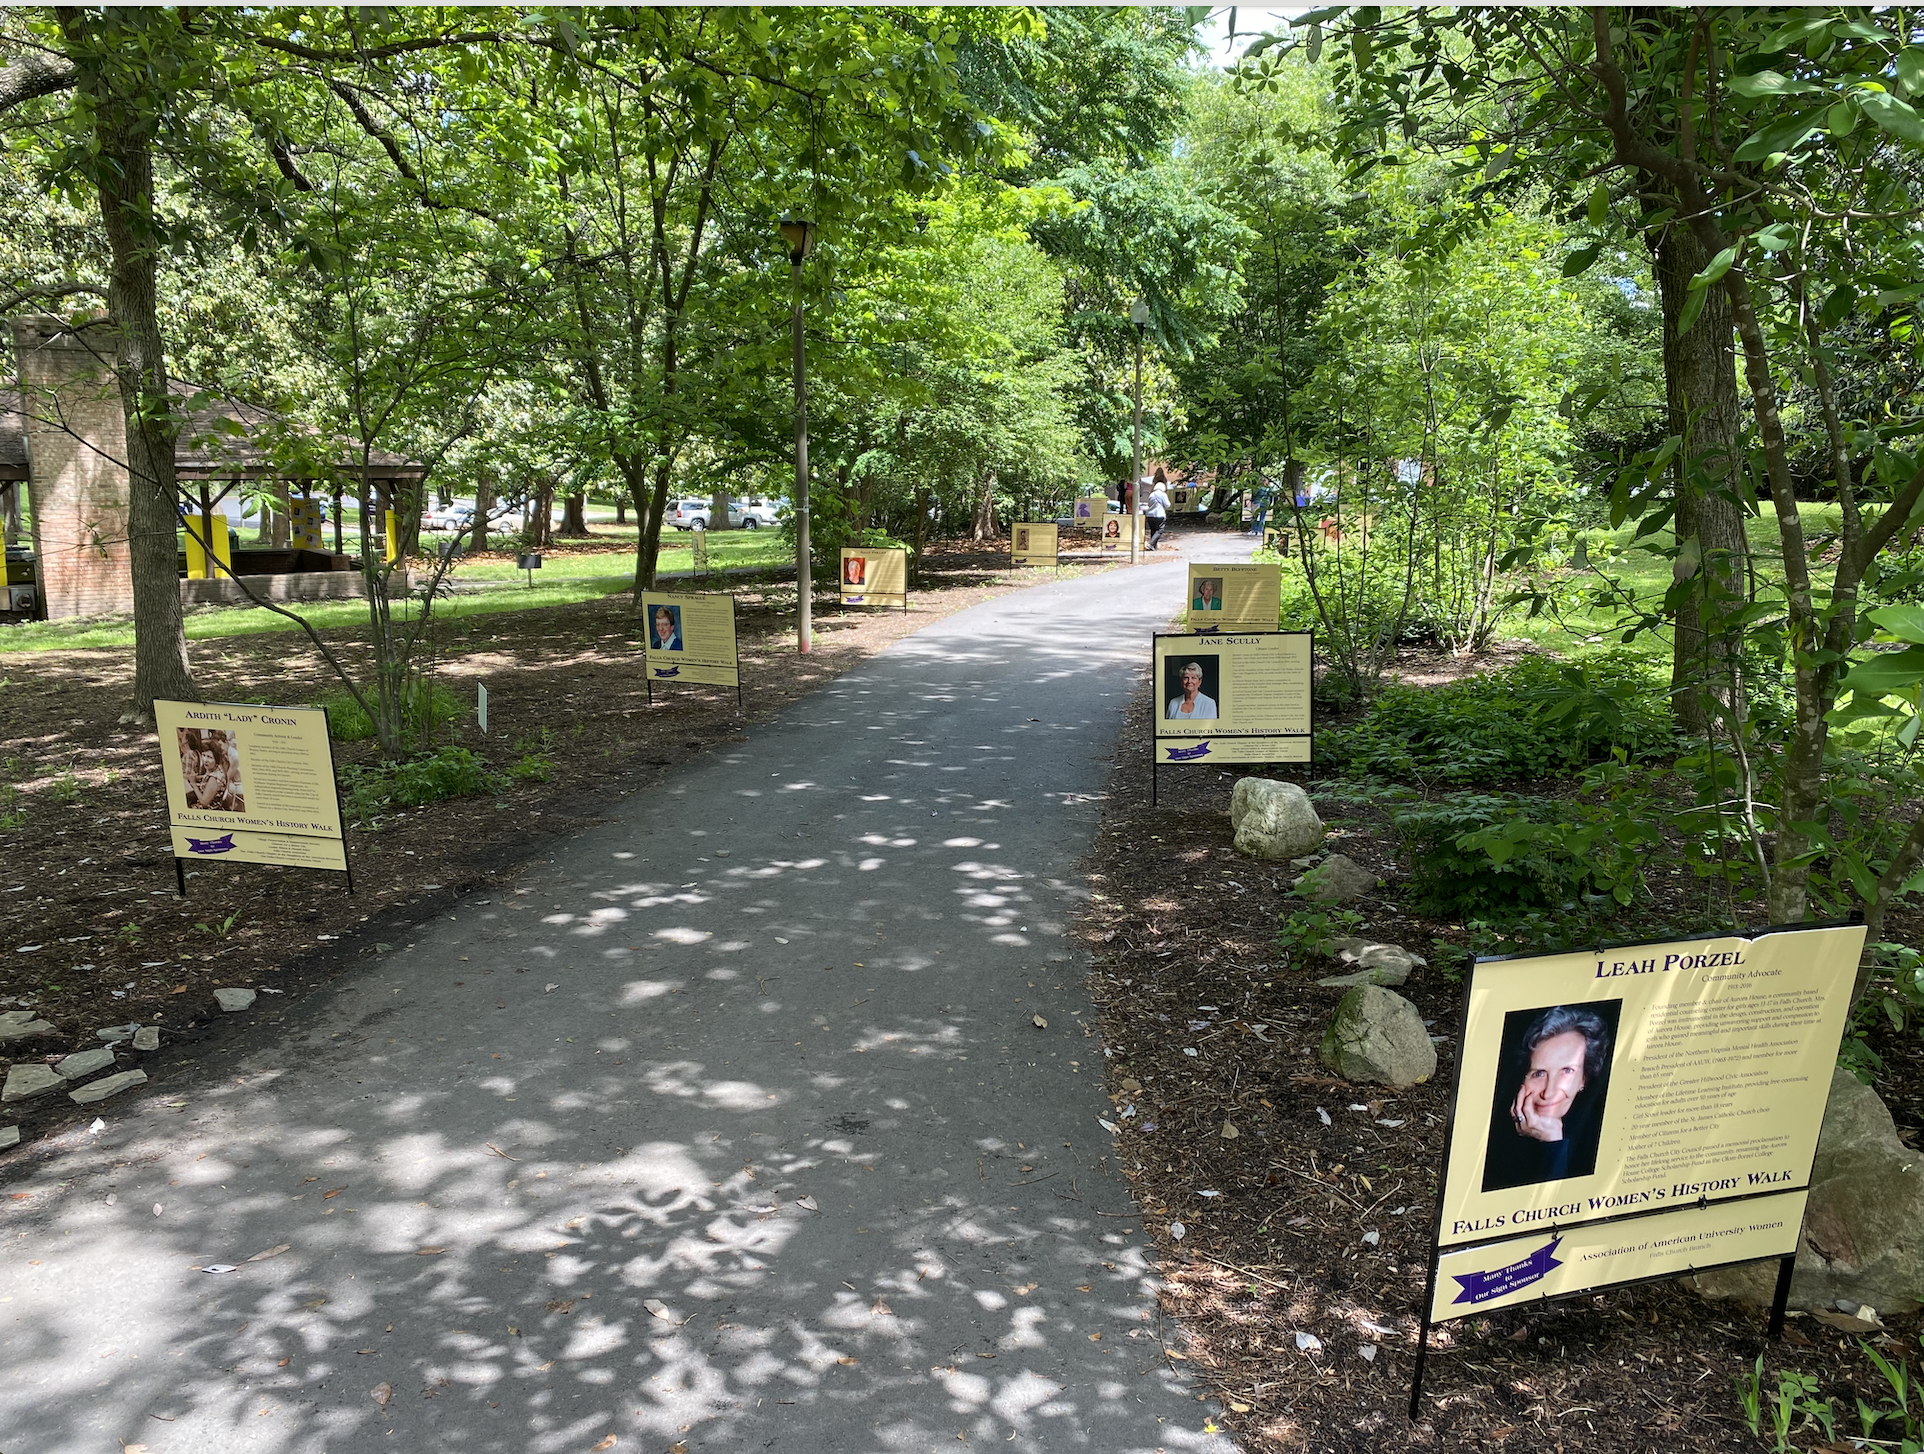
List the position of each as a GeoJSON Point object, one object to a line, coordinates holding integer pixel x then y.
{"type": "Point", "coordinates": [800, 237]}
{"type": "Point", "coordinates": [1138, 315]}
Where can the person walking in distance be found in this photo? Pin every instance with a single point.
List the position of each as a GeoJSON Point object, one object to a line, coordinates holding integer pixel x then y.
{"type": "Point", "coordinates": [1156, 511]}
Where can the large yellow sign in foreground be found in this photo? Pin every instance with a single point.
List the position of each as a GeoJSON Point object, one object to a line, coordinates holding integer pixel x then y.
{"type": "Point", "coordinates": [690, 638]}
{"type": "Point", "coordinates": [1243, 597]}
{"type": "Point", "coordinates": [1604, 1085]}
{"type": "Point", "coordinates": [1233, 698]}
{"type": "Point", "coordinates": [875, 576]}
{"type": "Point", "coordinates": [1033, 543]}
{"type": "Point", "coordinates": [253, 784]}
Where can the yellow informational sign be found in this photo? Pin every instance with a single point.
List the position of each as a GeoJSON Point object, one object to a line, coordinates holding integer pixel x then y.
{"type": "Point", "coordinates": [700, 536]}
{"type": "Point", "coordinates": [252, 784]}
{"type": "Point", "coordinates": [1243, 597]}
{"type": "Point", "coordinates": [1092, 510]}
{"type": "Point", "coordinates": [1276, 538]}
{"type": "Point", "coordinates": [1601, 1083]}
{"type": "Point", "coordinates": [392, 524]}
{"type": "Point", "coordinates": [1033, 544]}
{"type": "Point", "coordinates": [304, 523]}
{"type": "Point", "coordinates": [202, 531]}
{"type": "Point", "coordinates": [875, 576]}
{"type": "Point", "coordinates": [690, 638]}
{"type": "Point", "coordinates": [1233, 698]}
{"type": "Point", "coordinates": [1580, 1259]}
{"type": "Point", "coordinates": [1119, 531]}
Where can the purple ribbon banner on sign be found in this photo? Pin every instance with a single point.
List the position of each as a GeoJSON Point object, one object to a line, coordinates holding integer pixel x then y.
{"type": "Point", "coordinates": [1482, 1287]}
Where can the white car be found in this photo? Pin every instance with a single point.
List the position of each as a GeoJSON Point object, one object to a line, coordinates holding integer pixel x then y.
{"type": "Point", "coordinates": [749, 514]}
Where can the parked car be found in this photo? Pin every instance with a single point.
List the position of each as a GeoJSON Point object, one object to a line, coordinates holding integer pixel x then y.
{"type": "Point", "coordinates": [749, 514]}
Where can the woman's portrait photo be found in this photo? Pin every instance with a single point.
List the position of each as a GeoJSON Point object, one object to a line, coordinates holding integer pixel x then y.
{"type": "Point", "coordinates": [210, 764]}
{"type": "Point", "coordinates": [1022, 540]}
{"type": "Point", "coordinates": [1209, 594]}
{"type": "Point", "coordinates": [1193, 687]}
{"type": "Point", "coordinates": [1551, 1085]}
{"type": "Point", "coordinates": [854, 570]}
{"type": "Point", "coordinates": [1112, 530]}
{"type": "Point", "coordinates": [665, 632]}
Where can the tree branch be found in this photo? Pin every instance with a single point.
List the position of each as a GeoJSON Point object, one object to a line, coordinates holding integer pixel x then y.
{"type": "Point", "coordinates": [35, 75]}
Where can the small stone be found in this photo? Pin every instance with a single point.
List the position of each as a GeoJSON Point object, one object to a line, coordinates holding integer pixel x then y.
{"type": "Point", "coordinates": [115, 1034]}
{"type": "Point", "coordinates": [111, 1085]}
{"type": "Point", "coordinates": [234, 1000]}
{"type": "Point", "coordinates": [1338, 879]}
{"type": "Point", "coordinates": [22, 1025]}
{"type": "Point", "coordinates": [24, 1081]}
{"type": "Point", "coordinates": [147, 1037]}
{"type": "Point", "coordinates": [9, 1136]}
{"type": "Point", "coordinates": [1273, 820]}
{"type": "Point", "coordinates": [1377, 1036]}
{"type": "Point", "coordinates": [83, 1064]}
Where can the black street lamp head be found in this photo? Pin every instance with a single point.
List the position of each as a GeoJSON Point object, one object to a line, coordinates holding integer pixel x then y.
{"type": "Point", "coordinates": [800, 237]}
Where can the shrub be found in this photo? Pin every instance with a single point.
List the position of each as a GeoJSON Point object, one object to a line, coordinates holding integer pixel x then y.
{"type": "Point", "coordinates": [452, 772]}
{"type": "Point", "coordinates": [426, 705]}
{"type": "Point", "coordinates": [1526, 721]}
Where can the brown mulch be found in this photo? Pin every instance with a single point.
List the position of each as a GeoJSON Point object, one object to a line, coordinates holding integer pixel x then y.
{"type": "Point", "coordinates": [1212, 1030]}
{"type": "Point", "coordinates": [95, 934]}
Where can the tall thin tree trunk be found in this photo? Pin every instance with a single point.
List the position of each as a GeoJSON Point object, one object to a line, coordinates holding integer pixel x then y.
{"type": "Point", "coordinates": [983, 527]}
{"type": "Point", "coordinates": [574, 517]}
{"type": "Point", "coordinates": [483, 502]}
{"type": "Point", "coordinates": [1701, 398]}
{"type": "Point", "coordinates": [124, 175]}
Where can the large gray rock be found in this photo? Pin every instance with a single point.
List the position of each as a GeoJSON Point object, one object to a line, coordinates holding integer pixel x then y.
{"type": "Point", "coordinates": [1273, 819]}
{"type": "Point", "coordinates": [1377, 1037]}
{"type": "Point", "coordinates": [109, 1085]}
{"type": "Point", "coordinates": [234, 1000]}
{"type": "Point", "coordinates": [147, 1037]}
{"type": "Point", "coordinates": [27, 1080]}
{"type": "Point", "coordinates": [9, 1136]}
{"type": "Point", "coordinates": [1863, 1236]}
{"type": "Point", "coordinates": [22, 1025]}
{"type": "Point", "coordinates": [1338, 879]}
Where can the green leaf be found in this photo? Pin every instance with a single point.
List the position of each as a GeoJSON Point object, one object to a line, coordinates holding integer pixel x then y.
{"type": "Point", "coordinates": [1892, 115]}
{"type": "Point", "coordinates": [1838, 305]}
{"type": "Point", "coordinates": [1909, 66]}
{"type": "Point", "coordinates": [1769, 83]}
{"type": "Point", "coordinates": [1579, 261]}
{"type": "Point", "coordinates": [1599, 206]}
{"type": "Point", "coordinates": [1785, 135]}
{"type": "Point", "coordinates": [1805, 27]}
{"type": "Point", "coordinates": [1774, 238]}
{"type": "Point", "coordinates": [1906, 623]}
{"type": "Point", "coordinates": [1693, 305]}
{"type": "Point", "coordinates": [1841, 120]}
{"type": "Point", "coordinates": [1713, 270]}
{"type": "Point", "coordinates": [1886, 673]}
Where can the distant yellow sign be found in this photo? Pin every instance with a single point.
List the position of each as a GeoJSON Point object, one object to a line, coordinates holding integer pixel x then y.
{"type": "Point", "coordinates": [1276, 538]}
{"type": "Point", "coordinates": [1032, 543]}
{"type": "Point", "coordinates": [304, 522]}
{"type": "Point", "coordinates": [1242, 597]}
{"type": "Point", "coordinates": [875, 576]}
{"type": "Point", "coordinates": [252, 784]}
{"type": "Point", "coordinates": [690, 638]}
{"type": "Point", "coordinates": [1119, 531]}
{"type": "Point", "coordinates": [1233, 698]}
{"type": "Point", "coordinates": [1091, 510]}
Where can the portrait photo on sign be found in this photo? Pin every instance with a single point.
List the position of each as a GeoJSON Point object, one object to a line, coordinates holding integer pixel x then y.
{"type": "Point", "coordinates": [210, 763]}
{"type": "Point", "coordinates": [854, 570]}
{"type": "Point", "coordinates": [1192, 687]}
{"type": "Point", "coordinates": [1112, 530]}
{"type": "Point", "coordinates": [665, 628]}
{"type": "Point", "coordinates": [1209, 594]}
{"type": "Point", "coordinates": [1553, 1080]}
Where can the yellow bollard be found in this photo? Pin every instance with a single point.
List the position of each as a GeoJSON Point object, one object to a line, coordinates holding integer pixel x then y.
{"type": "Point", "coordinates": [393, 523]}
{"type": "Point", "coordinates": [204, 530]}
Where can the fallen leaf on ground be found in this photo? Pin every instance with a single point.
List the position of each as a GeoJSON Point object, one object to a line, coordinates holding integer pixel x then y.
{"type": "Point", "coordinates": [609, 1441]}
{"type": "Point", "coordinates": [381, 1393]}
{"type": "Point", "coordinates": [1324, 1115]}
{"type": "Point", "coordinates": [336, 1192]}
{"type": "Point", "coordinates": [270, 1252]}
{"type": "Point", "coordinates": [1038, 1022]}
{"type": "Point", "coordinates": [1229, 1131]}
{"type": "Point", "coordinates": [429, 1251]}
{"type": "Point", "coordinates": [848, 1362]}
{"type": "Point", "coordinates": [808, 1204]}
{"type": "Point", "coordinates": [499, 1152]}
{"type": "Point", "coordinates": [1309, 1342]}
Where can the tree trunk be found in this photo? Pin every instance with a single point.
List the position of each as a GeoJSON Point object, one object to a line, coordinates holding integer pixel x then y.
{"type": "Point", "coordinates": [540, 519]}
{"type": "Point", "coordinates": [574, 517]}
{"type": "Point", "coordinates": [1701, 398]}
{"type": "Point", "coordinates": [124, 175]}
{"type": "Point", "coordinates": [718, 507]}
{"type": "Point", "coordinates": [264, 531]}
{"type": "Point", "coordinates": [982, 528]}
{"type": "Point", "coordinates": [483, 502]}
{"type": "Point", "coordinates": [621, 509]}
{"type": "Point", "coordinates": [283, 516]}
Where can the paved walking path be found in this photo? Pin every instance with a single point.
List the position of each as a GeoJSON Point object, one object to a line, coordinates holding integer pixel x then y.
{"type": "Point", "coordinates": [729, 1129]}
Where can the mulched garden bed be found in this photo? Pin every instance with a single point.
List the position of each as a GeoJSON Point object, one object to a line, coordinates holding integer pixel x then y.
{"type": "Point", "coordinates": [1305, 1204]}
{"type": "Point", "coordinates": [95, 934]}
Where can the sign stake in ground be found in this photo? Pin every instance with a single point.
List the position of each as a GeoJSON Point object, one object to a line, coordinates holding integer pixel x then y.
{"type": "Point", "coordinates": [1630, 1114]}
{"type": "Point", "coordinates": [1237, 698]}
{"type": "Point", "coordinates": [690, 638]}
{"type": "Point", "coordinates": [253, 784]}
{"type": "Point", "coordinates": [529, 561]}
{"type": "Point", "coordinates": [481, 708]}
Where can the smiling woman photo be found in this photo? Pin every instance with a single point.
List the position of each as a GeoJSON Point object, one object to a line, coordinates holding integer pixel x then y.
{"type": "Point", "coordinates": [1548, 1110]}
{"type": "Point", "coordinates": [1191, 705]}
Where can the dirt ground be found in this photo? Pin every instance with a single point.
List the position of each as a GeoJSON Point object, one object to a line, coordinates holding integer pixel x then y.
{"type": "Point", "coordinates": [95, 933]}
{"type": "Point", "coordinates": [1306, 1204]}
